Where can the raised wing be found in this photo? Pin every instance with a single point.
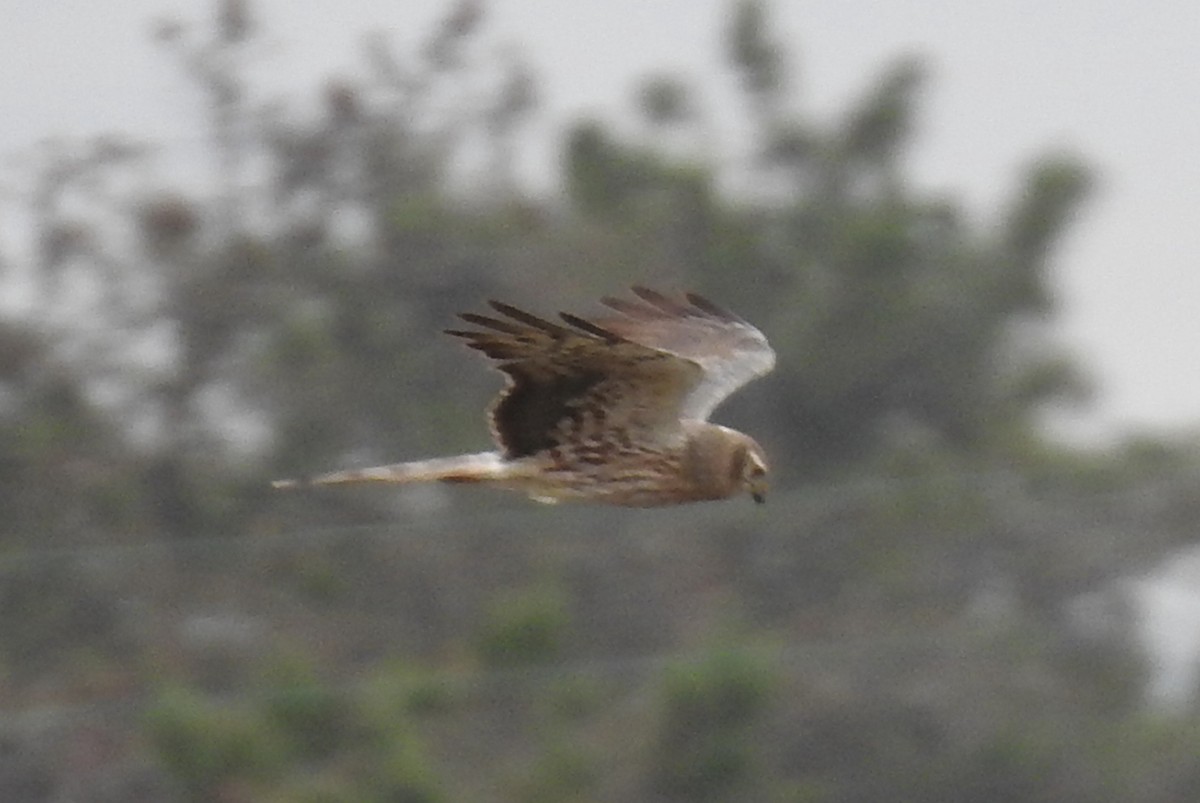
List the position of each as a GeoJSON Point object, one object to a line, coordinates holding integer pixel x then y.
{"type": "Point", "coordinates": [578, 383]}
{"type": "Point", "coordinates": [730, 351]}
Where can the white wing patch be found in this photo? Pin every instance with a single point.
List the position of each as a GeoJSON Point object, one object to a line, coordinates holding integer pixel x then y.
{"type": "Point", "coordinates": [729, 350]}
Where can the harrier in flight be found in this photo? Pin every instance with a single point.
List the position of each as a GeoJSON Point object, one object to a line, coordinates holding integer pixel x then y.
{"type": "Point", "coordinates": [609, 409]}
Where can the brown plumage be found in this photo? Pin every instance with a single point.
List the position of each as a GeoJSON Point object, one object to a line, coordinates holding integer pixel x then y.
{"type": "Point", "coordinates": [610, 409]}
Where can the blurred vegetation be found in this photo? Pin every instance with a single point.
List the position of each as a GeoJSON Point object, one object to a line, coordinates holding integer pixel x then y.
{"type": "Point", "coordinates": [897, 624]}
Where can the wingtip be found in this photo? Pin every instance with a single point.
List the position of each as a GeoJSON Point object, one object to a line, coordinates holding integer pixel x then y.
{"type": "Point", "coordinates": [641, 309]}
{"type": "Point", "coordinates": [664, 304]}
{"type": "Point", "coordinates": [650, 296]}
{"type": "Point", "coordinates": [711, 308]}
{"type": "Point", "coordinates": [287, 485]}
{"type": "Point", "coordinates": [516, 313]}
{"type": "Point", "coordinates": [612, 302]}
{"type": "Point", "coordinates": [528, 319]}
{"type": "Point", "coordinates": [587, 327]}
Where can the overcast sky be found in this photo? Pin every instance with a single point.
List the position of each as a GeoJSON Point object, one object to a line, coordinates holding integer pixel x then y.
{"type": "Point", "coordinates": [1114, 80]}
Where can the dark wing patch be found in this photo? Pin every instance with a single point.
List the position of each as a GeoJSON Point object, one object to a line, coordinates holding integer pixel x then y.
{"type": "Point", "coordinates": [529, 415]}
{"type": "Point", "coordinates": [576, 382]}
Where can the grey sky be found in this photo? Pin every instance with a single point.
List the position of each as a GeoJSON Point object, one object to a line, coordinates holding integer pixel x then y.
{"type": "Point", "coordinates": [1111, 79]}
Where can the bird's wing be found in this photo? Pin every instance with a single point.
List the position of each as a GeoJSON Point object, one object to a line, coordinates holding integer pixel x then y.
{"type": "Point", "coordinates": [575, 383]}
{"type": "Point", "coordinates": [730, 351]}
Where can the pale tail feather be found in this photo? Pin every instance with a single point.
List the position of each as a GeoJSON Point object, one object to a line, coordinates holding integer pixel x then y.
{"type": "Point", "coordinates": [482, 467]}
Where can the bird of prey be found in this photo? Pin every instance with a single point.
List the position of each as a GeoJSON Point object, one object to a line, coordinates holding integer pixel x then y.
{"type": "Point", "coordinates": [610, 409]}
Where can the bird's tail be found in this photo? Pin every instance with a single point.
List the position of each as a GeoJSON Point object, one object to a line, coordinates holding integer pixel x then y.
{"type": "Point", "coordinates": [482, 467]}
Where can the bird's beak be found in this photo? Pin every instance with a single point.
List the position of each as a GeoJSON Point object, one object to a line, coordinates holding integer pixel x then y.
{"type": "Point", "coordinates": [759, 497]}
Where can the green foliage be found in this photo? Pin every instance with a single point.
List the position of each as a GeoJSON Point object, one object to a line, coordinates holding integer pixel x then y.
{"type": "Point", "coordinates": [878, 129]}
{"type": "Point", "coordinates": [316, 790]}
{"type": "Point", "coordinates": [754, 55]}
{"type": "Point", "coordinates": [664, 101]}
{"type": "Point", "coordinates": [601, 177]}
{"type": "Point", "coordinates": [702, 749]}
{"type": "Point", "coordinates": [407, 774]}
{"type": "Point", "coordinates": [562, 773]}
{"type": "Point", "coordinates": [401, 693]}
{"type": "Point", "coordinates": [310, 717]}
{"type": "Point", "coordinates": [524, 628]}
{"type": "Point", "coordinates": [300, 726]}
{"type": "Point", "coordinates": [1050, 198]}
{"type": "Point", "coordinates": [204, 746]}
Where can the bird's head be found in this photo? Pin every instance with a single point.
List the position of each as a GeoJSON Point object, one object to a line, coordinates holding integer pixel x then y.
{"type": "Point", "coordinates": [724, 462]}
{"type": "Point", "coordinates": [752, 468]}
